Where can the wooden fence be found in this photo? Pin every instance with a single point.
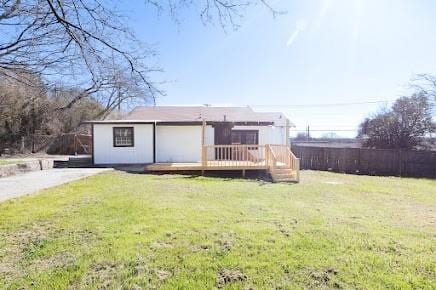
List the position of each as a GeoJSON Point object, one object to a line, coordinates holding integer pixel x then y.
{"type": "Point", "coordinates": [71, 144]}
{"type": "Point", "coordinates": [368, 161]}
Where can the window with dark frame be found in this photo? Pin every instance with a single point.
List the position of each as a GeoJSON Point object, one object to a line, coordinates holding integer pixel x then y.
{"type": "Point", "coordinates": [251, 137]}
{"type": "Point", "coordinates": [245, 137]}
{"type": "Point", "coordinates": [123, 137]}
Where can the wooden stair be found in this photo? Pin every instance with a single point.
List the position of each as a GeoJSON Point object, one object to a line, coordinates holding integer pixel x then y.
{"type": "Point", "coordinates": [79, 162]}
{"type": "Point", "coordinates": [284, 175]}
{"type": "Point", "coordinates": [283, 166]}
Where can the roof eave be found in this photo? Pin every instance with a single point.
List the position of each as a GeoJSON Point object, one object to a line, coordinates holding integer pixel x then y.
{"type": "Point", "coordinates": [186, 123]}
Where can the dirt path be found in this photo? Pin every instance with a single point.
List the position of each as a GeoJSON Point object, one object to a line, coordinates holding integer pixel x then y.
{"type": "Point", "coordinates": [18, 185]}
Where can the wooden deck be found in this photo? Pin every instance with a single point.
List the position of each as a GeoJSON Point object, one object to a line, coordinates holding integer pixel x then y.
{"type": "Point", "coordinates": [278, 160]}
{"type": "Point", "coordinates": [211, 165]}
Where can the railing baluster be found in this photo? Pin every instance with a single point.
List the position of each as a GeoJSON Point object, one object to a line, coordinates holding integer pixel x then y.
{"type": "Point", "coordinates": [224, 156]}
{"type": "Point", "coordinates": [245, 152]}
{"type": "Point", "coordinates": [242, 156]}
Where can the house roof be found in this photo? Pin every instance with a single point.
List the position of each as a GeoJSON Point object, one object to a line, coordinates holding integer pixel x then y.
{"type": "Point", "coordinates": [199, 113]}
{"type": "Point", "coordinates": [194, 114]}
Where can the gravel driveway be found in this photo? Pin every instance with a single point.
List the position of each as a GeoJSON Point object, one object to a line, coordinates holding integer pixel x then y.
{"type": "Point", "coordinates": [30, 182]}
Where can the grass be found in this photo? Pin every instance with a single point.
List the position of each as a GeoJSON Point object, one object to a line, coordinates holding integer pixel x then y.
{"type": "Point", "coordinates": [131, 231]}
{"type": "Point", "coordinates": [10, 161]}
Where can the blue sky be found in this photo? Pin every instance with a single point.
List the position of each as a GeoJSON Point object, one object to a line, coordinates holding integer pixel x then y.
{"type": "Point", "coordinates": [319, 52]}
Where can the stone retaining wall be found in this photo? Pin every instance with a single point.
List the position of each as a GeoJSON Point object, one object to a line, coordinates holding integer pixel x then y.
{"type": "Point", "coordinates": [25, 166]}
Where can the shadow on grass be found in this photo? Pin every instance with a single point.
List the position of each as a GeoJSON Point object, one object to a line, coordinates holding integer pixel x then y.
{"type": "Point", "coordinates": [261, 176]}
{"type": "Point", "coordinates": [223, 176]}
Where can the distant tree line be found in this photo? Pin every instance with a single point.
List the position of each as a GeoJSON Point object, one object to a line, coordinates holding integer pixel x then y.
{"type": "Point", "coordinates": [30, 114]}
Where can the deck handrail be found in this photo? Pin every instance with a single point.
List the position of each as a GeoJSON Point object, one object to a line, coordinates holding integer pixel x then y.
{"type": "Point", "coordinates": [281, 155]}
{"type": "Point", "coordinates": [284, 155]}
{"type": "Point", "coordinates": [283, 158]}
{"type": "Point", "coordinates": [249, 156]}
{"type": "Point", "coordinates": [234, 156]}
{"type": "Point", "coordinates": [272, 159]}
{"type": "Point", "coordinates": [236, 146]}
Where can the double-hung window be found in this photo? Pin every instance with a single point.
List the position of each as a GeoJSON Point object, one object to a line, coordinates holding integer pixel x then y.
{"type": "Point", "coordinates": [123, 137]}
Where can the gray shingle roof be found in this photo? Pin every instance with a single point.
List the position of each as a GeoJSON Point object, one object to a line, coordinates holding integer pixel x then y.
{"type": "Point", "coordinates": [198, 113]}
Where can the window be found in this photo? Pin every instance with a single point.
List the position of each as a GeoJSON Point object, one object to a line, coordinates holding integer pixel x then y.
{"type": "Point", "coordinates": [246, 137]}
{"type": "Point", "coordinates": [251, 137]}
{"type": "Point", "coordinates": [236, 137]}
{"type": "Point", "coordinates": [123, 136]}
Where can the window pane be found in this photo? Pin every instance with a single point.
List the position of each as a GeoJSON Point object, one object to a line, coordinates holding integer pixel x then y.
{"type": "Point", "coordinates": [245, 137]}
{"type": "Point", "coordinates": [123, 136]}
{"type": "Point", "coordinates": [236, 138]}
{"type": "Point", "coordinates": [250, 138]}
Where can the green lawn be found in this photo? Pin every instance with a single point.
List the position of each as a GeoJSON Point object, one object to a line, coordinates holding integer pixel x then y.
{"type": "Point", "coordinates": [10, 161]}
{"type": "Point", "coordinates": [132, 231]}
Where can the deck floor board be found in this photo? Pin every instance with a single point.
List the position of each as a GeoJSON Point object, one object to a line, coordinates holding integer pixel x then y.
{"type": "Point", "coordinates": [211, 165]}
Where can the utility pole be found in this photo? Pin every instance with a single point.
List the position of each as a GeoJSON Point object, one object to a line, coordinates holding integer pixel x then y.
{"type": "Point", "coordinates": [308, 133]}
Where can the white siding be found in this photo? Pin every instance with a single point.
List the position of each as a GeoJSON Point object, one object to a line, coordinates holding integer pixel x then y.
{"type": "Point", "coordinates": [267, 134]}
{"type": "Point", "coordinates": [173, 143]}
{"type": "Point", "coordinates": [209, 138]}
{"type": "Point", "coordinates": [106, 153]}
{"type": "Point", "coordinates": [178, 143]}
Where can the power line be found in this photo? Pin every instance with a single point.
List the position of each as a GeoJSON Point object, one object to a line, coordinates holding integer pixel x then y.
{"type": "Point", "coordinates": [332, 130]}
{"type": "Point", "coordinates": [324, 104]}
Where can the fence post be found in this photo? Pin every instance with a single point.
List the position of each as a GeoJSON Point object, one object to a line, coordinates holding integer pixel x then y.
{"type": "Point", "coordinates": [359, 160]}
{"type": "Point", "coordinates": [400, 160]}
{"type": "Point", "coordinates": [33, 143]}
{"type": "Point", "coordinates": [22, 145]}
{"type": "Point", "coordinates": [75, 144]}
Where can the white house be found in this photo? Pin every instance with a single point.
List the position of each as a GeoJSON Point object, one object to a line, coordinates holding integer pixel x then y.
{"type": "Point", "coordinates": [188, 138]}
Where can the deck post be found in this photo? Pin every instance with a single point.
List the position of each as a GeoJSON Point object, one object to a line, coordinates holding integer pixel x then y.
{"type": "Point", "coordinates": [243, 173]}
{"type": "Point", "coordinates": [288, 125]}
{"type": "Point", "coordinates": [203, 147]}
{"type": "Point", "coordinates": [298, 169]}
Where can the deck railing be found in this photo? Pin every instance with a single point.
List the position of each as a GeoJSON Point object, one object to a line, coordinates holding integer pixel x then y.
{"type": "Point", "coordinates": [283, 157]}
{"type": "Point", "coordinates": [260, 156]}
{"type": "Point", "coordinates": [234, 156]}
{"type": "Point", "coordinates": [281, 154]}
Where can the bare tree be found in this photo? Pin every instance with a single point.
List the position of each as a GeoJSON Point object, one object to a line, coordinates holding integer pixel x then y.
{"type": "Point", "coordinates": [23, 111]}
{"type": "Point", "coordinates": [425, 84]}
{"type": "Point", "coordinates": [80, 41]}
{"type": "Point", "coordinates": [28, 115]}
{"type": "Point", "coordinates": [401, 127]}
{"type": "Point", "coordinates": [227, 13]}
{"type": "Point", "coordinates": [70, 119]}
